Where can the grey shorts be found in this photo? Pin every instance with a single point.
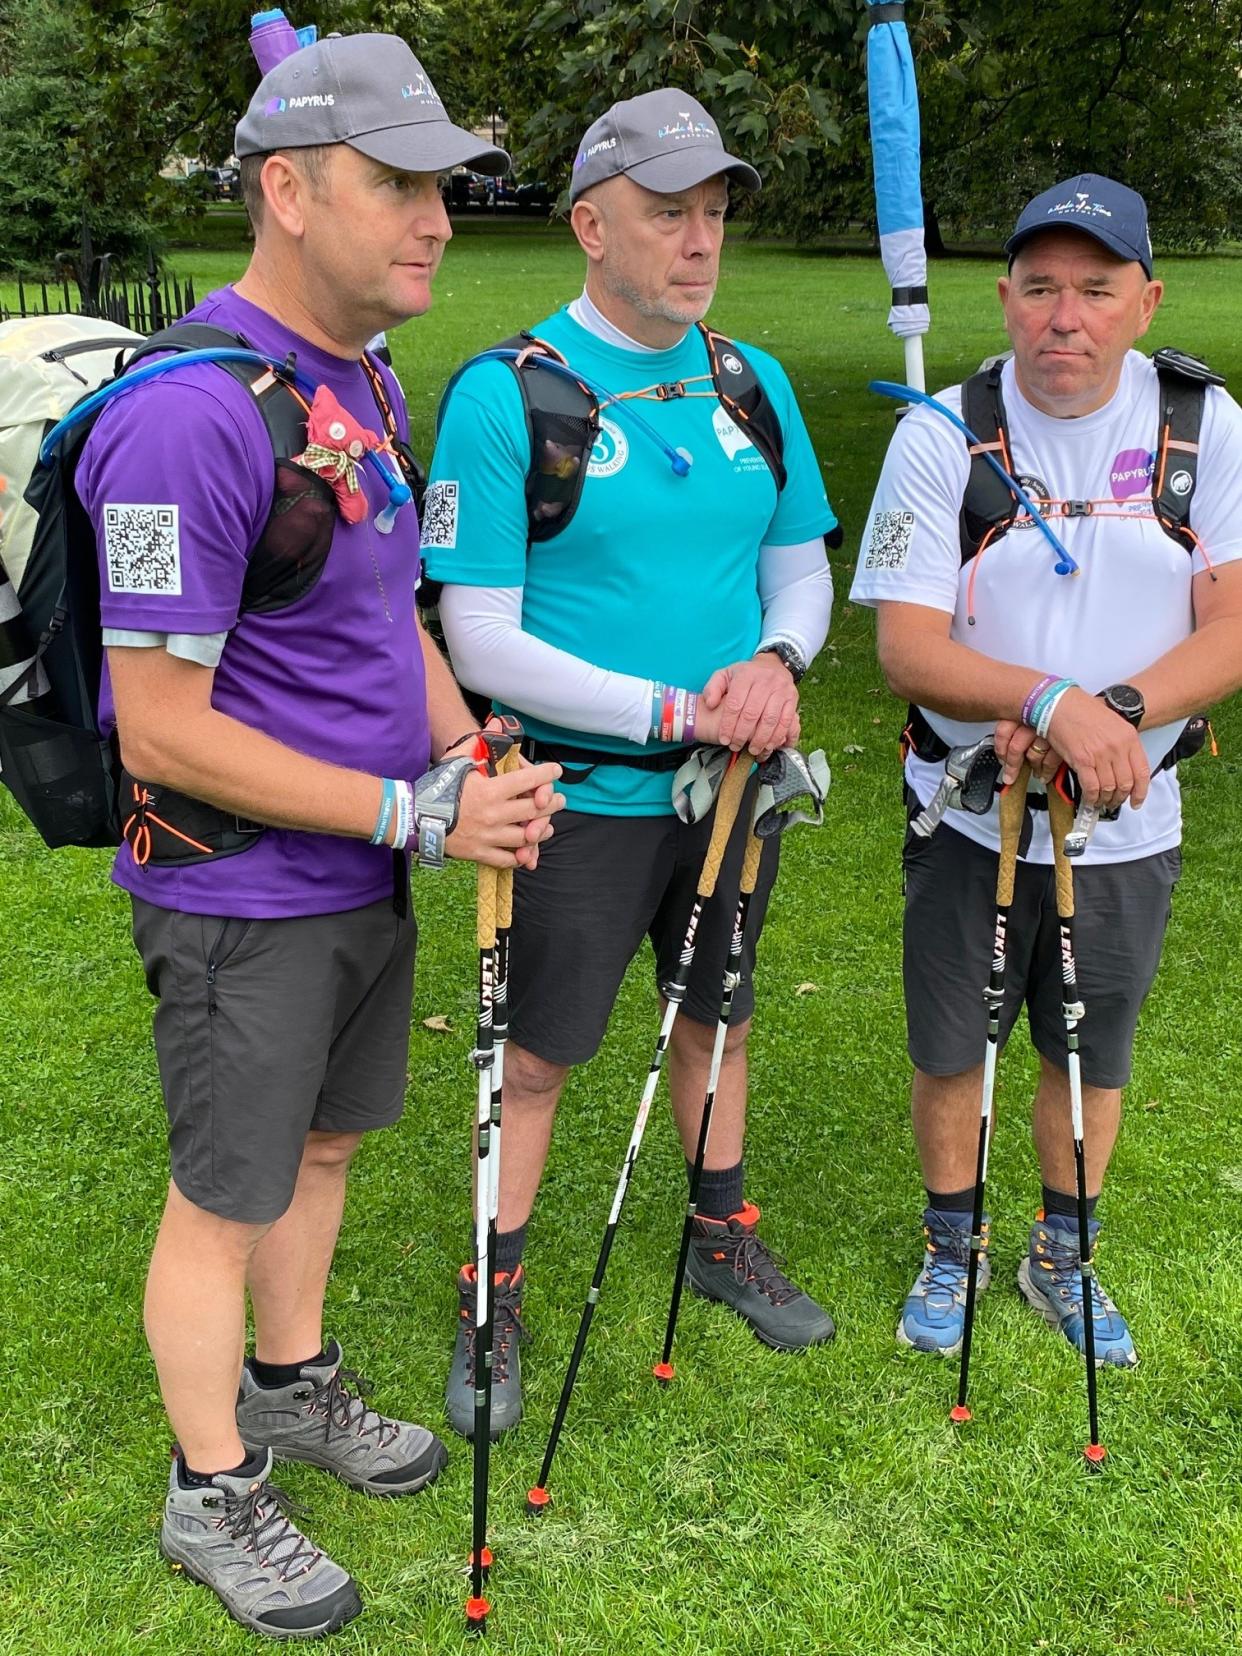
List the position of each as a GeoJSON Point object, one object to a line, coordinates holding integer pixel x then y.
{"type": "Point", "coordinates": [602, 884]}
{"type": "Point", "coordinates": [1121, 910]}
{"type": "Point", "coordinates": [266, 1029]}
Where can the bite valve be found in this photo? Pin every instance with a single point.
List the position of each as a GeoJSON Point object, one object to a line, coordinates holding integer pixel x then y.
{"type": "Point", "coordinates": [399, 495]}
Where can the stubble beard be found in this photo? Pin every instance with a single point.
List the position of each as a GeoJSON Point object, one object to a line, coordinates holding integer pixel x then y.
{"type": "Point", "coordinates": [662, 308]}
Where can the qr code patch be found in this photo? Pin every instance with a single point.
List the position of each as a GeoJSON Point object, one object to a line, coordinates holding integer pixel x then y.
{"type": "Point", "coordinates": [439, 525]}
{"type": "Point", "coordinates": [891, 535]}
{"type": "Point", "coordinates": [142, 548]}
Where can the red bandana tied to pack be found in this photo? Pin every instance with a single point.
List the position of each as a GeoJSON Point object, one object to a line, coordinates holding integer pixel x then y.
{"type": "Point", "coordinates": [335, 446]}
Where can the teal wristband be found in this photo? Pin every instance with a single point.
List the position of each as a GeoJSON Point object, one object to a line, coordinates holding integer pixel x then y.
{"type": "Point", "coordinates": [387, 803]}
{"type": "Point", "coordinates": [1048, 695]}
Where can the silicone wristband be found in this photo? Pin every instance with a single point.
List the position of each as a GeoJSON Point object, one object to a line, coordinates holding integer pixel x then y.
{"type": "Point", "coordinates": [692, 713]}
{"type": "Point", "coordinates": [1055, 689]}
{"type": "Point", "coordinates": [1028, 706]}
{"type": "Point", "coordinates": [1050, 707]}
{"type": "Point", "coordinates": [405, 816]}
{"type": "Point", "coordinates": [387, 802]}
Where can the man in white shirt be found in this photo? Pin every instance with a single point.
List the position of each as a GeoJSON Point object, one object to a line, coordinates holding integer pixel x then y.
{"type": "Point", "coordinates": [978, 628]}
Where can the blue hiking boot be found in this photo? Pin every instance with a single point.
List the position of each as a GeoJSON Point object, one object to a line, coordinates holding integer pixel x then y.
{"type": "Point", "coordinates": [934, 1315]}
{"type": "Point", "coordinates": [1050, 1277]}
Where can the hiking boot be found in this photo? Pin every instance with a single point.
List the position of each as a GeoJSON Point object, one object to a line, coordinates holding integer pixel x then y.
{"type": "Point", "coordinates": [507, 1336]}
{"type": "Point", "coordinates": [728, 1261]}
{"type": "Point", "coordinates": [238, 1538]}
{"type": "Point", "coordinates": [934, 1315]}
{"type": "Point", "coordinates": [318, 1418]}
{"type": "Point", "coordinates": [1050, 1277]}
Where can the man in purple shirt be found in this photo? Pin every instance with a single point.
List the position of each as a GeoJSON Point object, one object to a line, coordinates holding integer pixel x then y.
{"type": "Point", "coordinates": [282, 952]}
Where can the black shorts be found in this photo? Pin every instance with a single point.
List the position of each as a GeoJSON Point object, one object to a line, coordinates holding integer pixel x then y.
{"type": "Point", "coordinates": [579, 918]}
{"type": "Point", "coordinates": [1121, 910]}
{"type": "Point", "coordinates": [266, 1029]}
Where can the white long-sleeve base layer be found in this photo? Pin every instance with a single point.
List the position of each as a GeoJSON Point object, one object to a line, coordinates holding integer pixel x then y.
{"type": "Point", "coordinates": [494, 655]}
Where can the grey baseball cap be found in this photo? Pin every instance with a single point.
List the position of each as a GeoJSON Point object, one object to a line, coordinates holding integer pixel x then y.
{"type": "Point", "coordinates": [368, 91]}
{"type": "Point", "coordinates": [665, 141]}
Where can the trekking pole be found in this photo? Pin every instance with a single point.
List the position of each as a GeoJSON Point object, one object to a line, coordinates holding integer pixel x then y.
{"type": "Point", "coordinates": [1061, 823]}
{"type": "Point", "coordinates": [494, 919]}
{"type": "Point", "coordinates": [727, 805]}
{"type": "Point", "coordinates": [1012, 808]}
{"type": "Point", "coordinates": [484, 1057]}
{"type": "Point", "coordinates": [663, 1370]}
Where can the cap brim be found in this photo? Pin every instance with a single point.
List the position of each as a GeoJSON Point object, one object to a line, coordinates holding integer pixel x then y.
{"type": "Point", "coordinates": [431, 146]}
{"type": "Point", "coordinates": [1114, 244]}
{"type": "Point", "coordinates": [667, 174]}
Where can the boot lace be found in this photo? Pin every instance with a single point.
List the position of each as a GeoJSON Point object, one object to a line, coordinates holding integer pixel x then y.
{"type": "Point", "coordinates": [262, 1519]}
{"type": "Point", "coordinates": [753, 1261]}
{"type": "Point", "coordinates": [508, 1331]}
{"type": "Point", "coordinates": [948, 1258]}
{"type": "Point", "coordinates": [1061, 1263]}
{"type": "Point", "coordinates": [346, 1410]}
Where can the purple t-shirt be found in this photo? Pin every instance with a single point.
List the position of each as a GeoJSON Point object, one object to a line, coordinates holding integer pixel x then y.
{"type": "Point", "coordinates": [337, 675]}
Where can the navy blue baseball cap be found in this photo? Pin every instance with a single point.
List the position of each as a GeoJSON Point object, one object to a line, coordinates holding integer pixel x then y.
{"type": "Point", "coordinates": [1100, 207]}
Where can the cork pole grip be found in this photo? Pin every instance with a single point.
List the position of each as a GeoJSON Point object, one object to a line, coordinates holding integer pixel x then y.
{"type": "Point", "coordinates": [504, 876]}
{"type": "Point", "coordinates": [750, 864]}
{"type": "Point", "coordinates": [728, 802]}
{"type": "Point", "coordinates": [486, 907]}
{"type": "Point", "coordinates": [1012, 810]}
{"type": "Point", "coordinates": [1060, 821]}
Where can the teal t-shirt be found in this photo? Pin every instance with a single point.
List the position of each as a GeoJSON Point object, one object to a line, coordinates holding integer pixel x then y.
{"type": "Point", "coordinates": [656, 574]}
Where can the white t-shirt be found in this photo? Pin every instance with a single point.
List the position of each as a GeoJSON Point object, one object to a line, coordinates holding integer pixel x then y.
{"type": "Point", "coordinates": [1130, 603]}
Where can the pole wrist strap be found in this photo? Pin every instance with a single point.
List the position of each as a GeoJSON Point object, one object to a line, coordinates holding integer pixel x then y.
{"type": "Point", "coordinates": [437, 803]}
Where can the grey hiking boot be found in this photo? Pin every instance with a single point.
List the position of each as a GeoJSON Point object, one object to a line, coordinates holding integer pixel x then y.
{"type": "Point", "coordinates": [729, 1262]}
{"type": "Point", "coordinates": [319, 1419]}
{"type": "Point", "coordinates": [237, 1537]}
{"type": "Point", "coordinates": [507, 1336]}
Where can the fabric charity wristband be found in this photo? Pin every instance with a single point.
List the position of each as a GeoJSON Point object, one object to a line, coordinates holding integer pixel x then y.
{"type": "Point", "coordinates": [673, 713]}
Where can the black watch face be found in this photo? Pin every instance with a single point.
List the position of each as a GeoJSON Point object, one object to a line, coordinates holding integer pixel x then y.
{"type": "Point", "coordinates": [1126, 700]}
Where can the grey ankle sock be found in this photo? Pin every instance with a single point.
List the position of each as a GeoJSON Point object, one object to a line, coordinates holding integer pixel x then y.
{"type": "Point", "coordinates": [509, 1248]}
{"type": "Point", "coordinates": [720, 1190]}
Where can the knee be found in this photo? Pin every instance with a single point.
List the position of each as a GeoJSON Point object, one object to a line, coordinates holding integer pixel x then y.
{"type": "Point", "coordinates": [530, 1080]}
{"type": "Point", "coordinates": [201, 1234]}
{"type": "Point", "coordinates": [697, 1039]}
{"type": "Point", "coordinates": [329, 1152]}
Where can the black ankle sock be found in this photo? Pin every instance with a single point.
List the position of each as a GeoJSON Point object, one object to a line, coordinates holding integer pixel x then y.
{"type": "Point", "coordinates": [1065, 1207]}
{"type": "Point", "coordinates": [188, 1478]}
{"type": "Point", "coordinates": [509, 1248]}
{"type": "Point", "coordinates": [272, 1375]}
{"type": "Point", "coordinates": [952, 1201]}
{"type": "Point", "coordinates": [720, 1191]}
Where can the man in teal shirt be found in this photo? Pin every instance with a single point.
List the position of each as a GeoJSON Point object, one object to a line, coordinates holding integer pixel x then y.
{"type": "Point", "coordinates": [681, 600]}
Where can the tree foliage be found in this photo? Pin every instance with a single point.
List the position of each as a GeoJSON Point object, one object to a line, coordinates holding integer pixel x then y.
{"type": "Point", "coordinates": [96, 94]}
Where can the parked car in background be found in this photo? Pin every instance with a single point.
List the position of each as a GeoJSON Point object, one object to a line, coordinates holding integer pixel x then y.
{"type": "Point", "coordinates": [535, 198]}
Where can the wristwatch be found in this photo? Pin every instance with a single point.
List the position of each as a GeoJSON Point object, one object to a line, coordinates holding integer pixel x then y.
{"type": "Point", "coordinates": [789, 655]}
{"type": "Point", "coordinates": [1126, 702]}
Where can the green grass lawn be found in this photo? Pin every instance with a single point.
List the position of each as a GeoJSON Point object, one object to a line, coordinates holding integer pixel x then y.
{"type": "Point", "coordinates": [763, 1502]}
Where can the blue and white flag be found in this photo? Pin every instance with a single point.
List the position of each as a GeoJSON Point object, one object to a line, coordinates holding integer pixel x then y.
{"type": "Point", "coordinates": [893, 109]}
